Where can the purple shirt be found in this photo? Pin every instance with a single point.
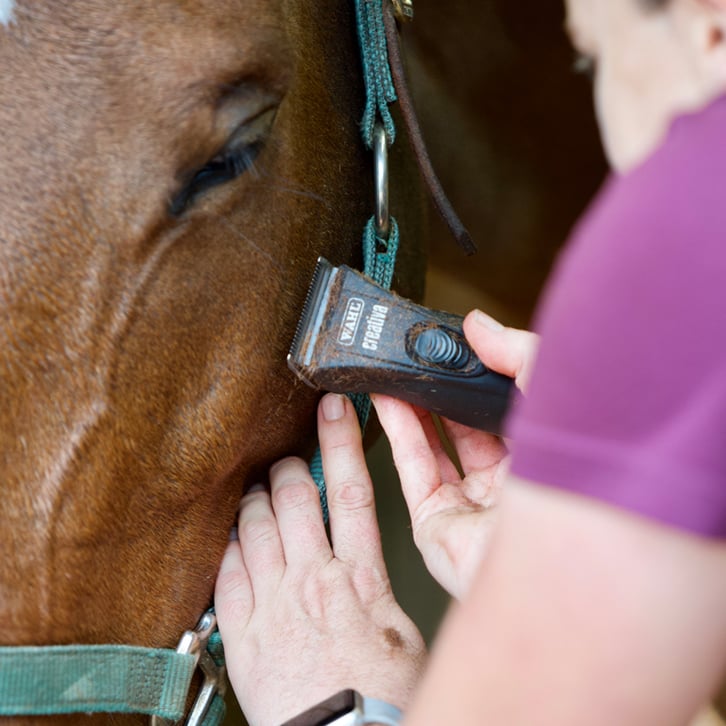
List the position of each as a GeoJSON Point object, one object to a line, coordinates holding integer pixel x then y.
{"type": "Point", "coordinates": [628, 400]}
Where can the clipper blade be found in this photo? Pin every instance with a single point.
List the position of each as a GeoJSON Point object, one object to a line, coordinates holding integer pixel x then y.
{"type": "Point", "coordinates": [311, 320]}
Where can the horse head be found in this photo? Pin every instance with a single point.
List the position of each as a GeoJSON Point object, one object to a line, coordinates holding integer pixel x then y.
{"type": "Point", "coordinates": [169, 173]}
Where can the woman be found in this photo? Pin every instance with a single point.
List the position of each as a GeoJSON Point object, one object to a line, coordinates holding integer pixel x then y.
{"type": "Point", "coordinates": [602, 596]}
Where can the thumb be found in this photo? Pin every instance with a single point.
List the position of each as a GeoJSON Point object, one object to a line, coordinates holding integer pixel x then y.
{"type": "Point", "coordinates": [505, 350]}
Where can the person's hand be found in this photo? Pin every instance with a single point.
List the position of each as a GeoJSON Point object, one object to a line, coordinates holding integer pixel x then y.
{"type": "Point", "coordinates": [299, 619]}
{"type": "Point", "coordinates": [452, 516]}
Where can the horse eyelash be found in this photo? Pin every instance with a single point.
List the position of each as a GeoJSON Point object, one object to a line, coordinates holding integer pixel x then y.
{"type": "Point", "coordinates": [238, 161]}
{"type": "Point", "coordinates": [223, 168]}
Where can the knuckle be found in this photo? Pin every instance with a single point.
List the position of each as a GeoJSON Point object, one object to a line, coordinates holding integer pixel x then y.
{"type": "Point", "coordinates": [233, 615]}
{"type": "Point", "coordinates": [294, 494]}
{"type": "Point", "coordinates": [314, 597]}
{"type": "Point", "coordinates": [232, 601]}
{"type": "Point", "coordinates": [258, 531]}
{"type": "Point", "coordinates": [351, 495]}
{"type": "Point", "coordinates": [344, 440]}
{"type": "Point", "coordinates": [371, 584]}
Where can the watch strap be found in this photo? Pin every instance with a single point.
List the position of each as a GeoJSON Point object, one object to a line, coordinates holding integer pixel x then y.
{"type": "Point", "coordinates": [348, 708]}
{"type": "Point", "coordinates": [380, 712]}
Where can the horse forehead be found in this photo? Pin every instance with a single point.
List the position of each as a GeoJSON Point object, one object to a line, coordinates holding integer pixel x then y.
{"type": "Point", "coordinates": [6, 11]}
{"type": "Point", "coordinates": [182, 47]}
{"type": "Point", "coordinates": [176, 45]}
{"type": "Point", "coordinates": [210, 20]}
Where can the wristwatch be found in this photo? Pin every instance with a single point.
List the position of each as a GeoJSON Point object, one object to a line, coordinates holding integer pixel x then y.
{"type": "Point", "coordinates": [348, 708]}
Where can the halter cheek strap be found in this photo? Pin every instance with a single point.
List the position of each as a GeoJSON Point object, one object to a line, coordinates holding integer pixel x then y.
{"type": "Point", "coordinates": [385, 83]}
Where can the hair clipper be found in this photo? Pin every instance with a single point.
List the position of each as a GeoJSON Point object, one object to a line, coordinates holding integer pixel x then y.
{"type": "Point", "coordinates": [357, 337]}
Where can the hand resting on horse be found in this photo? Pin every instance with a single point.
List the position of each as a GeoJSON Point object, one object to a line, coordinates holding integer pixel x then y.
{"type": "Point", "coordinates": [302, 619]}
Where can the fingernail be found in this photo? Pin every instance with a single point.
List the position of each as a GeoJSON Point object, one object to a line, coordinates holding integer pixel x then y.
{"type": "Point", "coordinates": [487, 321]}
{"type": "Point", "coordinates": [333, 406]}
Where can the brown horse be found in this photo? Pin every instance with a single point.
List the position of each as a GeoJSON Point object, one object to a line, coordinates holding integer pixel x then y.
{"type": "Point", "coordinates": [169, 173]}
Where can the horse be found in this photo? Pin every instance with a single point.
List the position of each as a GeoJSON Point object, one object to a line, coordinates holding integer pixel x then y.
{"type": "Point", "coordinates": [169, 174]}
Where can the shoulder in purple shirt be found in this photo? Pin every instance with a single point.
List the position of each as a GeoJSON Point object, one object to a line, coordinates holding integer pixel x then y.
{"type": "Point", "coordinates": [628, 400]}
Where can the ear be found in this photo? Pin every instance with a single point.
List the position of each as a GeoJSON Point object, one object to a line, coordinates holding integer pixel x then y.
{"type": "Point", "coordinates": [707, 21]}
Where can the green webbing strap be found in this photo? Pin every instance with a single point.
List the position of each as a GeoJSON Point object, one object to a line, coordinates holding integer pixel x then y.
{"type": "Point", "coordinates": [216, 713]}
{"type": "Point", "coordinates": [379, 262]}
{"type": "Point", "coordinates": [376, 72]}
{"type": "Point", "coordinates": [39, 681]}
{"type": "Point", "coordinates": [218, 708]}
{"type": "Point", "coordinates": [59, 679]}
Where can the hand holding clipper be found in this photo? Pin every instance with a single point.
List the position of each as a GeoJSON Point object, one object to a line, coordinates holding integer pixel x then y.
{"type": "Point", "coordinates": [357, 337]}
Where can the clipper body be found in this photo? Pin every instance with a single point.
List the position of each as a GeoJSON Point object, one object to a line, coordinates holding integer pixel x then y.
{"type": "Point", "coordinates": [356, 337]}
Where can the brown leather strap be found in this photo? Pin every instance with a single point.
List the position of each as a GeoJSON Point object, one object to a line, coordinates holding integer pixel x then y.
{"type": "Point", "coordinates": [408, 113]}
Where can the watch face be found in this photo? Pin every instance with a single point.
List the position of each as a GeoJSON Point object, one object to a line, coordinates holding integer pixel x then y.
{"type": "Point", "coordinates": [331, 711]}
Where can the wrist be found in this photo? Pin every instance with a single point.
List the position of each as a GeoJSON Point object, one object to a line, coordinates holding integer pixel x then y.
{"type": "Point", "coordinates": [349, 708]}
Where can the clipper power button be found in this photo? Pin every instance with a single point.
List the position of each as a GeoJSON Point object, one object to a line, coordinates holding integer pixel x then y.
{"type": "Point", "coordinates": [441, 348]}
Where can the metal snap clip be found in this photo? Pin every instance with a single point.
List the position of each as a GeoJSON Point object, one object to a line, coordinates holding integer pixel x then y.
{"type": "Point", "coordinates": [214, 677]}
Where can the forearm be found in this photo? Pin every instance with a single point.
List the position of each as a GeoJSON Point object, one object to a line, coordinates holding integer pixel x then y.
{"type": "Point", "coordinates": [580, 615]}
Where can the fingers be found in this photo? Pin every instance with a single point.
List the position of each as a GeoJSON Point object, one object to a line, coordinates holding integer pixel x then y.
{"type": "Point", "coordinates": [233, 597]}
{"type": "Point", "coordinates": [353, 522]}
{"type": "Point", "coordinates": [260, 544]}
{"type": "Point", "coordinates": [505, 350]}
{"type": "Point", "coordinates": [420, 459]}
{"type": "Point", "coordinates": [475, 450]}
{"type": "Point", "coordinates": [447, 471]}
{"type": "Point", "coordinates": [296, 504]}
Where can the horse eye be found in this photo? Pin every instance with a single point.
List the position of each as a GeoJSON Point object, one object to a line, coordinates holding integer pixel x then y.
{"type": "Point", "coordinates": [237, 157]}
{"type": "Point", "coordinates": [224, 167]}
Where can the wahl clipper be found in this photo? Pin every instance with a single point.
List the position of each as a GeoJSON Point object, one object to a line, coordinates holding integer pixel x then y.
{"type": "Point", "coordinates": [356, 337]}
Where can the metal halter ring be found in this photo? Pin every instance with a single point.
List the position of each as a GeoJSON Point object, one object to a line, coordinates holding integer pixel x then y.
{"type": "Point", "coordinates": [380, 176]}
{"type": "Point", "coordinates": [214, 677]}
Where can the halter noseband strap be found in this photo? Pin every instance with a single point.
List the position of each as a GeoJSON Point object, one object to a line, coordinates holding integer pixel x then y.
{"type": "Point", "coordinates": [45, 680]}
